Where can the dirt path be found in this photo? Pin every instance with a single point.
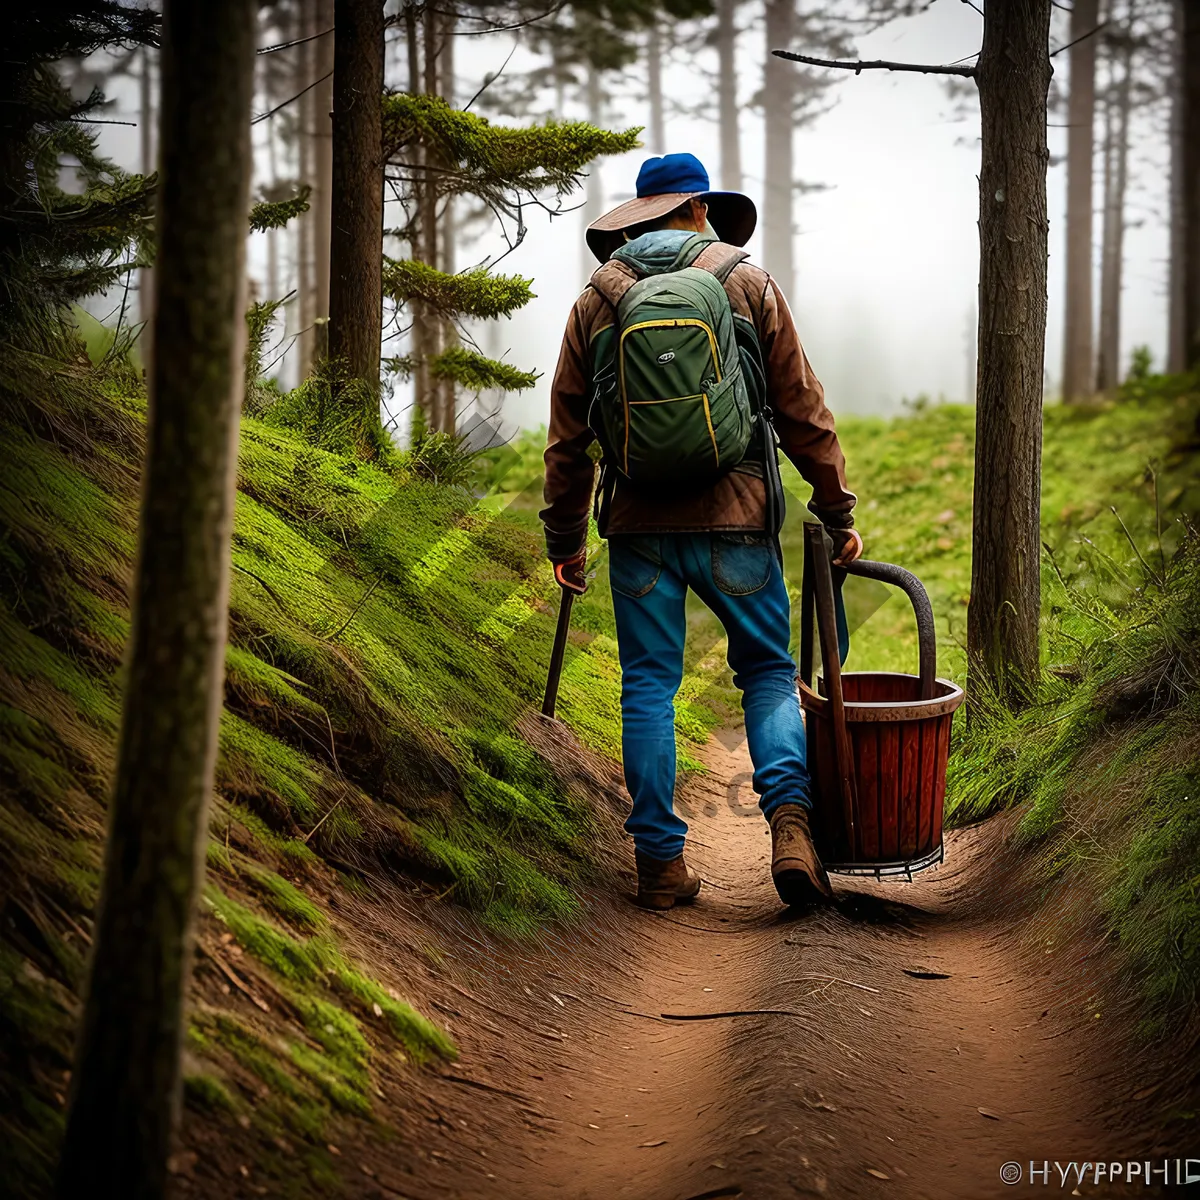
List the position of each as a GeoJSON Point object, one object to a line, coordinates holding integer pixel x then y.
{"type": "Point", "coordinates": [914, 1039]}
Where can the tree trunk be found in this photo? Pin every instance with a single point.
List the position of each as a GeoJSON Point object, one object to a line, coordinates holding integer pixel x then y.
{"type": "Point", "coordinates": [1081, 115]}
{"type": "Point", "coordinates": [125, 1086]}
{"type": "Point", "coordinates": [1116, 174]}
{"type": "Point", "coordinates": [1176, 338]}
{"type": "Point", "coordinates": [1013, 78]}
{"type": "Point", "coordinates": [593, 196]}
{"type": "Point", "coordinates": [146, 132]}
{"type": "Point", "coordinates": [447, 401]}
{"type": "Point", "coordinates": [421, 336]}
{"type": "Point", "coordinates": [727, 102]}
{"type": "Point", "coordinates": [304, 167]}
{"type": "Point", "coordinates": [322, 178]}
{"type": "Point", "coordinates": [427, 324]}
{"type": "Point", "coordinates": [779, 88]}
{"type": "Point", "coordinates": [657, 134]}
{"type": "Point", "coordinates": [1190, 126]}
{"type": "Point", "coordinates": [356, 242]}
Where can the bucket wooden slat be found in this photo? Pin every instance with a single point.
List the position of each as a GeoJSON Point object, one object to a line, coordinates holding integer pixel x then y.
{"type": "Point", "coordinates": [877, 758]}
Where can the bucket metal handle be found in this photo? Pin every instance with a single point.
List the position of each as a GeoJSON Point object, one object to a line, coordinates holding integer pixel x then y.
{"type": "Point", "coordinates": [908, 583]}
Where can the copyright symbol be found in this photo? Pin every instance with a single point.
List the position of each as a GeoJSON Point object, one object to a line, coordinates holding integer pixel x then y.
{"type": "Point", "coordinates": [1010, 1173]}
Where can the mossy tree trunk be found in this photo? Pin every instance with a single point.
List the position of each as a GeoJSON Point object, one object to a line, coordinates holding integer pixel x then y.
{"type": "Point", "coordinates": [125, 1086]}
{"type": "Point", "coordinates": [1013, 78]}
{"type": "Point", "coordinates": [1081, 115]}
{"type": "Point", "coordinates": [356, 241]}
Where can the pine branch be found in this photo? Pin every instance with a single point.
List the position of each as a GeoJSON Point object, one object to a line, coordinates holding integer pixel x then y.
{"type": "Point", "coordinates": [494, 160]}
{"type": "Point", "coordinates": [877, 65]}
{"type": "Point", "coordinates": [275, 214]}
{"type": "Point", "coordinates": [479, 373]}
{"type": "Point", "coordinates": [471, 294]}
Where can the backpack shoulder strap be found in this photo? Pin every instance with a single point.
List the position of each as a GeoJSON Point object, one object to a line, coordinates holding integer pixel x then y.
{"type": "Point", "coordinates": [612, 280]}
{"type": "Point", "coordinates": [719, 259]}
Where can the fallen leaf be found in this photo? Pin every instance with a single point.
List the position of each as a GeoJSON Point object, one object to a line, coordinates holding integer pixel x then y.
{"type": "Point", "coordinates": [877, 1174]}
{"type": "Point", "coordinates": [752, 1132]}
{"type": "Point", "coordinates": [984, 1112]}
{"type": "Point", "coordinates": [650, 1145]}
{"type": "Point", "coordinates": [377, 1010]}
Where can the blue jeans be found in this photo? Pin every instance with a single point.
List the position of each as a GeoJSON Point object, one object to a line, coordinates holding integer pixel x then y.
{"type": "Point", "coordinates": [738, 576]}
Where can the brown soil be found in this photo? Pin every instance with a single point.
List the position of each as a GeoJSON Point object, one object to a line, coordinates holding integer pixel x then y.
{"type": "Point", "coordinates": [905, 1042]}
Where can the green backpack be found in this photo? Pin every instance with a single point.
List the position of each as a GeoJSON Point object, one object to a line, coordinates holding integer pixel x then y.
{"type": "Point", "coordinates": [670, 402]}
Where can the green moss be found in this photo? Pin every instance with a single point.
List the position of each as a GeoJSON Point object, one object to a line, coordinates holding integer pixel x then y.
{"type": "Point", "coordinates": [287, 900]}
{"type": "Point", "coordinates": [306, 961]}
{"type": "Point", "coordinates": [207, 1093]}
{"type": "Point", "coordinates": [421, 1037]}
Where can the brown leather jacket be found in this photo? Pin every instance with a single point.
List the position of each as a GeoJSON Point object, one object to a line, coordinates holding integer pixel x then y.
{"type": "Point", "coordinates": [737, 502]}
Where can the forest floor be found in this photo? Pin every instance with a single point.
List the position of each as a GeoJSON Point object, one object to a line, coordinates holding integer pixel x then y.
{"type": "Point", "coordinates": [905, 1042]}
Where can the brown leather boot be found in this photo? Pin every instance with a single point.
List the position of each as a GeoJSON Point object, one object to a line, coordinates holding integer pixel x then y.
{"type": "Point", "coordinates": [799, 877]}
{"type": "Point", "coordinates": [664, 884]}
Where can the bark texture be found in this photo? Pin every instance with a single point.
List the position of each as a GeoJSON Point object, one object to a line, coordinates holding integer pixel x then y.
{"type": "Point", "coordinates": [1081, 115]}
{"type": "Point", "coordinates": [125, 1086]}
{"type": "Point", "coordinates": [1013, 79]}
{"type": "Point", "coordinates": [1190, 200]}
{"type": "Point", "coordinates": [356, 241]}
{"type": "Point", "coordinates": [322, 174]}
{"type": "Point", "coordinates": [779, 92]}
{"type": "Point", "coordinates": [304, 28]}
{"type": "Point", "coordinates": [1116, 179]}
{"type": "Point", "coordinates": [727, 102]}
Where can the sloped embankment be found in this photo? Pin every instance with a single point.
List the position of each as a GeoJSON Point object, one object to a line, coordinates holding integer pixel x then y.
{"type": "Point", "coordinates": [387, 634]}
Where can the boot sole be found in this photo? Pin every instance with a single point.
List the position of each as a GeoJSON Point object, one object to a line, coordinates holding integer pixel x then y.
{"type": "Point", "coordinates": [655, 901]}
{"type": "Point", "coordinates": [797, 889]}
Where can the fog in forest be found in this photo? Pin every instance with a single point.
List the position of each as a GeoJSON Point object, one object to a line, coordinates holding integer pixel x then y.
{"type": "Point", "coordinates": [885, 244]}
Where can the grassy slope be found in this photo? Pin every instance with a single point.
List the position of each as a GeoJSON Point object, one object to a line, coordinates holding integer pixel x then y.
{"type": "Point", "coordinates": [387, 634]}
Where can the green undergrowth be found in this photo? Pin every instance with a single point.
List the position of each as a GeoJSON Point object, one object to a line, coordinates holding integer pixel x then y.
{"type": "Point", "coordinates": [389, 638]}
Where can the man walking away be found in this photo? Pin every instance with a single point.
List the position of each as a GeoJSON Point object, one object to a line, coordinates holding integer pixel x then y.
{"type": "Point", "coordinates": [682, 360]}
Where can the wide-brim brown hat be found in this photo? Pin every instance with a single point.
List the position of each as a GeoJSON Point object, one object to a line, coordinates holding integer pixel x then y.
{"type": "Point", "coordinates": [663, 184]}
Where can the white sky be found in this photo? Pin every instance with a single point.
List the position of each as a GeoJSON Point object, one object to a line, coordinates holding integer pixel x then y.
{"type": "Point", "coordinates": [887, 257]}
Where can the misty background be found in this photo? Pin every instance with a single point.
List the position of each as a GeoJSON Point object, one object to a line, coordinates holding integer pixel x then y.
{"type": "Point", "coordinates": [885, 240]}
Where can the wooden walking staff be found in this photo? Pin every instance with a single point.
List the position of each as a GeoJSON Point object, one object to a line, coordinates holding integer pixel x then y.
{"type": "Point", "coordinates": [817, 592]}
{"type": "Point", "coordinates": [559, 651]}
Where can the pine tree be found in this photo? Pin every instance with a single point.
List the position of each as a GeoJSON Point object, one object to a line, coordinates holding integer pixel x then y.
{"type": "Point", "coordinates": [436, 153]}
{"type": "Point", "coordinates": [58, 246]}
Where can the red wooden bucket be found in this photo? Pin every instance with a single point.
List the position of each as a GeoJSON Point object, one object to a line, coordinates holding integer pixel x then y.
{"type": "Point", "coordinates": [877, 740]}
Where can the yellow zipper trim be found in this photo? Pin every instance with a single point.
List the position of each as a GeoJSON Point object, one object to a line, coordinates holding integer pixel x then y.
{"type": "Point", "coordinates": [712, 433]}
{"type": "Point", "coordinates": [668, 400]}
{"type": "Point", "coordinates": [672, 323]}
